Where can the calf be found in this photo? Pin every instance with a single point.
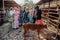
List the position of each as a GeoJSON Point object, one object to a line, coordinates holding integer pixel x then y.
{"type": "Point", "coordinates": [33, 27]}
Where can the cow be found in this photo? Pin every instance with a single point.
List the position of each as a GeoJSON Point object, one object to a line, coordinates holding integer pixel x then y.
{"type": "Point", "coordinates": [33, 27]}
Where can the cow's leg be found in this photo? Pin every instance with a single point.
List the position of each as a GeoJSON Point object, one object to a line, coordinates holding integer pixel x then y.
{"type": "Point", "coordinates": [24, 34]}
{"type": "Point", "coordinates": [25, 31]}
{"type": "Point", "coordinates": [38, 31]}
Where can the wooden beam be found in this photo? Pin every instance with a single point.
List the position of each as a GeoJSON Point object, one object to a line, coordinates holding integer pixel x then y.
{"type": "Point", "coordinates": [8, 0]}
{"type": "Point", "coordinates": [53, 4]}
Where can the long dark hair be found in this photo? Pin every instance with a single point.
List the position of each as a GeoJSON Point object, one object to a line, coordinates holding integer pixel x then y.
{"type": "Point", "coordinates": [37, 8]}
{"type": "Point", "coordinates": [39, 12]}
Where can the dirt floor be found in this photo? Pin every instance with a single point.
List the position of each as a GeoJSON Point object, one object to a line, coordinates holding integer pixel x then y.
{"type": "Point", "coordinates": [30, 35]}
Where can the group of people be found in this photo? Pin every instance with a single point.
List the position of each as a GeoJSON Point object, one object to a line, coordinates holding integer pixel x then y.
{"type": "Point", "coordinates": [17, 15]}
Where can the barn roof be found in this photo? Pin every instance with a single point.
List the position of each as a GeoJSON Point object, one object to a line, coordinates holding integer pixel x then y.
{"type": "Point", "coordinates": [43, 1]}
{"type": "Point", "coordinates": [8, 3]}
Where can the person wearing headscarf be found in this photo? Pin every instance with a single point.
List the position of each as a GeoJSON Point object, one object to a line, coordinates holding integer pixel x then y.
{"type": "Point", "coordinates": [23, 9]}
{"type": "Point", "coordinates": [27, 17]}
{"type": "Point", "coordinates": [38, 12]}
{"type": "Point", "coordinates": [10, 16]}
{"type": "Point", "coordinates": [38, 15]}
{"type": "Point", "coordinates": [20, 16]}
{"type": "Point", "coordinates": [16, 18]}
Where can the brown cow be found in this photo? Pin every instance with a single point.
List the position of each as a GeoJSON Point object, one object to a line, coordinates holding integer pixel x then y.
{"type": "Point", "coordinates": [33, 27]}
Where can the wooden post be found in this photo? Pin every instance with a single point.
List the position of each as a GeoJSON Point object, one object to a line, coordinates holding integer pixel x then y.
{"type": "Point", "coordinates": [58, 17]}
{"type": "Point", "coordinates": [48, 14]}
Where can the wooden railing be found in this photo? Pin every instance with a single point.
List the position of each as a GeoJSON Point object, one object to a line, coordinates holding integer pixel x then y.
{"type": "Point", "coordinates": [53, 4]}
{"type": "Point", "coordinates": [51, 15]}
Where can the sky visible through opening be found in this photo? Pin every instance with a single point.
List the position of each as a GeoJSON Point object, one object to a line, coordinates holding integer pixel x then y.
{"type": "Point", "coordinates": [22, 1]}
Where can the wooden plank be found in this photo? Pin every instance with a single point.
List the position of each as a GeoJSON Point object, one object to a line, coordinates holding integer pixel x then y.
{"type": "Point", "coordinates": [53, 29]}
{"type": "Point", "coordinates": [53, 13]}
{"type": "Point", "coordinates": [53, 16]}
{"type": "Point", "coordinates": [10, 3]}
{"type": "Point", "coordinates": [8, 0]}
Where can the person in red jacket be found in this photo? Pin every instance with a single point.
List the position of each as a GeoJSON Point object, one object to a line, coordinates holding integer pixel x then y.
{"type": "Point", "coordinates": [38, 15]}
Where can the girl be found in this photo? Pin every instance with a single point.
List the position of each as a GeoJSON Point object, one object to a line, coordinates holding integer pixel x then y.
{"type": "Point", "coordinates": [16, 18]}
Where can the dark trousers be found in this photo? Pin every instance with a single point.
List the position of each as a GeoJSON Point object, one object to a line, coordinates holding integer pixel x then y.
{"type": "Point", "coordinates": [34, 20]}
{"type": "Point", "coordinates": [1, 22]}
